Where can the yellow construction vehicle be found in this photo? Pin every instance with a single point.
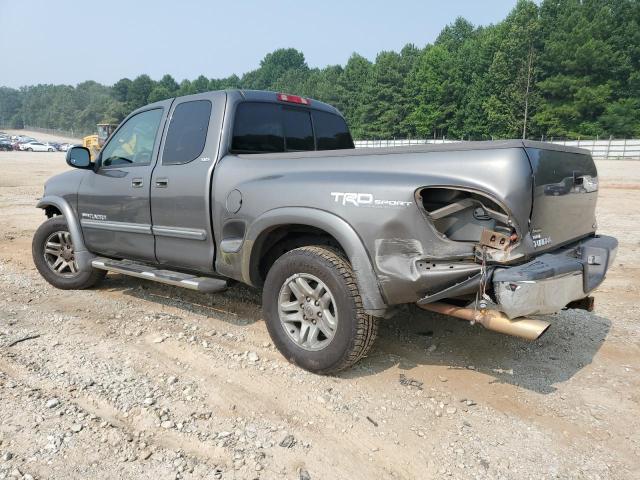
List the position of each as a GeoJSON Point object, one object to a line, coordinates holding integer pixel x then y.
{"type": "Point", "coordinates": [95, 142]}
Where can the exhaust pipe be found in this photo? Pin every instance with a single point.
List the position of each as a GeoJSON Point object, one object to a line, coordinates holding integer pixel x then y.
{"type": "Point", "coordinates": [527, 328]}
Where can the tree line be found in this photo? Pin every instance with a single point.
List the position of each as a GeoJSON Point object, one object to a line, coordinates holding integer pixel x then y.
{"type": "Point", "coordinates": [564, 68]}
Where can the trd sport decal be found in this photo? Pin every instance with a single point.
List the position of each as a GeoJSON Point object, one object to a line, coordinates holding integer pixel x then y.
{"type": "Point", "coordinates": [365, 200]}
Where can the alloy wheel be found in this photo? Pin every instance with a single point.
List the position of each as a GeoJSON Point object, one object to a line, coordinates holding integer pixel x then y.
{"type": "Point", "coordinates": [59, 254]}
{"type": "Point", "coordinates": [307, 311]}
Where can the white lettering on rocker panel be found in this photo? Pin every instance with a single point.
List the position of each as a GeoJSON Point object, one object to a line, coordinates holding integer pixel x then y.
{"type": "Point", "coordinates": [358, 199]}
{"type": "Point", "coordinates": [93, 216]}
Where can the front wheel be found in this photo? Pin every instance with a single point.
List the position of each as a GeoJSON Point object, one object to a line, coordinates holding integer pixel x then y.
{"type": "Point", "coordinates": [313, 310]}
{"type": "Point", "coordinates": [54, 257]}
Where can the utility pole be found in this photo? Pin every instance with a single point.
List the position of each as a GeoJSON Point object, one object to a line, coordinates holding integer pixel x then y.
{"type": "Point", "coordinates": [526, 95]}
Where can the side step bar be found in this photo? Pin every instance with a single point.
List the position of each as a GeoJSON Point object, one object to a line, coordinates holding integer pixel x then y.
{"type": "Point", "coordinates": [178, 279]}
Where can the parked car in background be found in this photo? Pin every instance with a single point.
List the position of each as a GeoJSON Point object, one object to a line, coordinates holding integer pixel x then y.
{"type": "Point", "coordinates": [37, 147]}
{"type": "Point", "coordinates": [66, 146]}
{"type": "Point", "coordinates": [5, 146]}
{"type": "Point", "coordinates": [24, 145]}
{"type": "Point", "coordinates": [55, 145]}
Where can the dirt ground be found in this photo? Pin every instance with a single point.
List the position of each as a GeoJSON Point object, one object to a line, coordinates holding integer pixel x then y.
{"type": "Point", "coordinates": [143, 381]}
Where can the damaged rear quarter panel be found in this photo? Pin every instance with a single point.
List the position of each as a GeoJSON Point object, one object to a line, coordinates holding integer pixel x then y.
{"type": "Point", "coordinates": [373, 190]}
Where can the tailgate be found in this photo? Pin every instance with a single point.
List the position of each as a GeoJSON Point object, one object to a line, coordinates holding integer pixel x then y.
{"type": "Point", "coordinates": [565, 190]}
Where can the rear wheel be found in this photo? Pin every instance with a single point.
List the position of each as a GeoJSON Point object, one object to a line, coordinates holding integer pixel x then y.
{"type": "Point", "coordinates": [54, 257]}
{"type": "Point", "coordinates": [313, 310]}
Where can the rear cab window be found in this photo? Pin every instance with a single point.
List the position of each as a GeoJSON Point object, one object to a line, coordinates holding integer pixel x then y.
{"type": "Point", "coordinates": [258, 128]}
{"type": "Point", "coordinates": [263, 127]}
{"type": "Point", "coordinates": [331, 131]}
{"type": "Point", "coordinates": [298, 132]}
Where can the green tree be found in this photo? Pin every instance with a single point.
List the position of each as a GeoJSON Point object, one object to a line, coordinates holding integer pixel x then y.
{"type": "Point", "coordinates": [200, 84]}
{"type": "Point", "coordinates": [159, 92]}
{"type": "Point", "coordinates": [511, 75]}
{"type": "Point", "coordinates": [120, 89]}
{"type": "Point", "coordinates": [352, 82]}
{"type": "Point", "coordinates": [169, 84]}
{"type": "Point", "coordinates": [10, 107]}
{"type": "Point", "coordinates": [138, 94]}
{"type": "Point", "coordinates": [561, 68]}
{"type": "Point", "coordinates": [273, 67]}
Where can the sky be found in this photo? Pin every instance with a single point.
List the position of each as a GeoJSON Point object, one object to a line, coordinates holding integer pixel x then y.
{"type": "Point", "coordinates": [69, 41]}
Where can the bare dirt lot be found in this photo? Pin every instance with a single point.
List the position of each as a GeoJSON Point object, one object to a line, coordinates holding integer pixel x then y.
{"type": "Point", "coordinates": [143, 381]}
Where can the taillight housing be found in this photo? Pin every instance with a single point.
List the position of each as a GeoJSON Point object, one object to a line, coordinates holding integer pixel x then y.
{"type": "Point", "coordinates": [285, 97]}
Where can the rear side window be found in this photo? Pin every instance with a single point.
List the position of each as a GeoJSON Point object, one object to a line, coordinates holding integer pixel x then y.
{"type": "Point", "coordinates": [298, 133]}
{"type": "Point", "coordinates": [331, 131]}
{"type": "Point", "coordinates": [187, 132]}
{"type": "Point", "coordinates": [258, 128]}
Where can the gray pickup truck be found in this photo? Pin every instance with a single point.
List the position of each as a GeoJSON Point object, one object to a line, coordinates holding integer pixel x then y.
{"type": "Point", "coordinates": [267, 189]}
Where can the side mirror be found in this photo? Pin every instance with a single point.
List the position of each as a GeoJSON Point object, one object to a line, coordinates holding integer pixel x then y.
{"type": "Point", "coordinates": [79, 157]}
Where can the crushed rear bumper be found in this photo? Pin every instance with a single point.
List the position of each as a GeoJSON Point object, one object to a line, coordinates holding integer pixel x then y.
{"type": "Point", "coordinates": [551, 281]}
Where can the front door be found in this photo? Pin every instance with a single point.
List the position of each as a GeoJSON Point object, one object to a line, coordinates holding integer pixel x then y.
{"type": "Point", "coordinates": [181, 183]}
{"type": "Point", "coordinates": [113, 204]}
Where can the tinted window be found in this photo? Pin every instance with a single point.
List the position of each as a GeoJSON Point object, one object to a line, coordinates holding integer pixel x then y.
{"type": "Point", "coordinates": [187, 132]}
{"type": "Point", "coordinates": [133, 143]}
{"type": "Point", "coordinates": [258, 128]}
{"type": "Point", "coordinates": [331, 131]}
{"type": "Point", "coordinates": [298, 133]}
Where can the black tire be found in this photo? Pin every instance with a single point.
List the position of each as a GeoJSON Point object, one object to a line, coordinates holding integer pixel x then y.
{"type": "Point", "coordinates": [355, 331]}
{"type": "Point", "coordinates": [71, 280]}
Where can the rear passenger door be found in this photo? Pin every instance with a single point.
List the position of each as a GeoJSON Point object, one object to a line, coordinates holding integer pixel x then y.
{"type": "Point", "coordinates": [181, 183]}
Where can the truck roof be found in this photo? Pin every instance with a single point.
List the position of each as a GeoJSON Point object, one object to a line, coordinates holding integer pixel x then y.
{"type": "Point", "coordinates": [268, 96]}
{"type": "Point", "coordinates": [239, 95]}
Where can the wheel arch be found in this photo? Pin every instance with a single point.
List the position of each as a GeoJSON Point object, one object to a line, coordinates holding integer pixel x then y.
{"type": "Point", "coordinates": [324, 226]}
{"type": "Point", "coordinates": [54, 205]}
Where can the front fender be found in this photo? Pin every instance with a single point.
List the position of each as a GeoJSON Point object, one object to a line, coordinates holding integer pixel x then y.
{"type": "Point", "coordinates": [82, 255]}
{"type": "Point", "coordinates": [336, 227]}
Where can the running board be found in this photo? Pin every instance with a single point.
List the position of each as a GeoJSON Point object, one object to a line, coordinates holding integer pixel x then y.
{"type": "Point", "coordinates": [169, 277]}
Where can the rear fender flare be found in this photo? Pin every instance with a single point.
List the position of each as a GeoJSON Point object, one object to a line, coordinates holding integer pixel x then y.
{"type": "Point", "coordinates": [335, 226]}
{"type": "Point", "coordinates": [82, 255]}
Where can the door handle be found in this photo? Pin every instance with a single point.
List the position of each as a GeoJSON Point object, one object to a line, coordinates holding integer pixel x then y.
{"type": "Point", "coordinates": [162, 182]}
{"type": "Point", "coordinates": [137, 183]}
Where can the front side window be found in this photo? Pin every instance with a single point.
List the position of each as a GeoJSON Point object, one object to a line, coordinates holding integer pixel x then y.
{"type": "Point", "coordinates": [298, 133]}
{"type": "Point", "coordinates": [258, 128]}
{"type": "Point", "coordinates": [331, 131]}
{"type": "Point", "coordinates": [187, 132]}
{"type": "Point", "coordinates": [133, 143]}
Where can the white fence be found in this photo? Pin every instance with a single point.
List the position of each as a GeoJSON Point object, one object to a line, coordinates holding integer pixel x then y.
{"type": "Point", "coordinates": [628, 149]}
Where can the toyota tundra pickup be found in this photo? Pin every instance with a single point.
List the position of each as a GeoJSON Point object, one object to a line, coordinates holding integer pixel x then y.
{"type": "Point", "coordinates": [267, 189]}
